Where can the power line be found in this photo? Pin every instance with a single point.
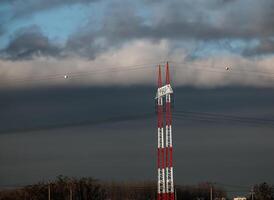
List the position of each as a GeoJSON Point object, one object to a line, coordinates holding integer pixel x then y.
{"type": "Point", "coordinates": [107, 120]}
{"type": "Point", "coordinates": [145, 66]}
{"type": "Point", "coordinates": [232, 185]}
{"type": "Point", "coordinates": [219, 116]}
{"type": "Point", "coordinates": [204, 120]}
{"type": "Point", "coordinates": [179, 114]}
{"type": "Point", "coordinates": [106, 69]}
{"type": "Point", "coordinates": [216, 120]}
{"type": "Point", "coordinates": [233, 70]}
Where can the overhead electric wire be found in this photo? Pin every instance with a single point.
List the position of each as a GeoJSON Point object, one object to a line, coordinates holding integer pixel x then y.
{"type": "Point", "coordinates": [178, 114]}
{"type": "Point", "coordinates": [144, 66]}
{"type": "Point", "coordinates": [230, 72]}
{"type": "Point", "coordinates": [216, 118]}
{"type": "Point", "coordinates": [107, 120]}
{"type": "Point", "coordinates": [75, 74]}
{"type": "Point", "coordinates": [224, 116]}
{"type": "Point", "coordinates": [232, 185]}
{"type": "Point", "coordinates": [211, 67]}
{"type": "Point", "coordinates": [235, 191]}
{"type": "Point", "coordinates": [218, 122]}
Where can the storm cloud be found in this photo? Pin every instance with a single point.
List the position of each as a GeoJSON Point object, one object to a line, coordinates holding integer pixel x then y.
{"type": "Point", "coordinates": [30, 7]}
{"type": "Point", "coordinates": [181, 21]}
{"type": "Point", "coordinates": [264, 47]}
{"type": "Point", "coordinates": [215, 33]}
{"type": "Point", "coordinates": [201, 20]}
{"type": "Point", "coordinates": [178, 21]}
{"type": "Point", "coordinates": [118, 67]}
{"type": "Point", "coordinates": [29, 42]}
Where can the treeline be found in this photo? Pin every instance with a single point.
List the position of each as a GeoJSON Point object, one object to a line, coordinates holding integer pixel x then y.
{"type": "Point", "coordinates": [262, 191]}
{"type": "Point", "coordinates": [200, 192]}
{"type": "Point", "coordinates": [64, 188]}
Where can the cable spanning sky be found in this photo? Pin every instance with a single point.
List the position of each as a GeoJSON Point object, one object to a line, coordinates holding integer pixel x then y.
{"type": "Point", "coordinates": [41, 38]}
{"type": "Point", "coordinates": [78, 82]}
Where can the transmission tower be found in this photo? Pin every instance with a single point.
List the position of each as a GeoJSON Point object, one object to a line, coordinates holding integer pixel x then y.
{"type": "Point", "coordinates": [164, 161]}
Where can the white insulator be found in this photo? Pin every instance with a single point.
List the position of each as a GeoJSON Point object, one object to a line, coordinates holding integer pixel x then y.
{"type": "Point", "coordinates": [167, 136]}
{"type": "Point", "coordinates": [170, 136]}
{"type": "Point", "coordinates": [167, 180]}
{"type": "Point", "coordinates": [168, 98]}
{"type": "Point", "coordinates": [159, 180]}
{"type": "Point", "coordinates": [163, 176]}
{"type": "Point", "coordinates": [159, 135]}
{"type": "Point", "coordinates": [172, 182]}
{"type": "Point", "coordinates": [160, 101]}
{"type": "Point", "coordinates": [162, 137]}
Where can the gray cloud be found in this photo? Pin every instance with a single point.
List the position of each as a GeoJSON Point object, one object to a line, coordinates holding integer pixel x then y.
{"type": "Point", "coordinates": [266, 46]}
{"type": "Point", "coordinates": [115, 30]}
{"type": "Point", "coordinates": [1, 30]}
{"type": "Point", "coordinates": [180, 21]}
{"type": "Point", "coordinates": [7, 2]}
{"type": "Point", "coordinates": [29, 42]}
{"type": "Point", "coordinates": [215, 20]}
{"type": "Point", "coordinates": [88, 43]}
{"type": "Point", "coordinates": [3, 20]}
{"type": "Point", "coordinates": [84, 44]}
{"type": "Point", "coordinates": [29, 7]}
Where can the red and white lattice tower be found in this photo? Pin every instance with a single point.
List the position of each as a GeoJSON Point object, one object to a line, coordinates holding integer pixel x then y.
{"type": "Point", "coordinates": [164, 161]}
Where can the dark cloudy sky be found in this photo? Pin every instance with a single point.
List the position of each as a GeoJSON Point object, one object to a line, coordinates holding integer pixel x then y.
{"type": "Point", "coordinates": [110, 133]}
{"type": "Point", "coordinates": [43, 38]}
{"type": "Point", "coordinates": [93, 123]}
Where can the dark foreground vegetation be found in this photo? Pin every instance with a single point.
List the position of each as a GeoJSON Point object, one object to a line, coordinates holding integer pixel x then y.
{"type": "Point", "coordinates": [64, 188]}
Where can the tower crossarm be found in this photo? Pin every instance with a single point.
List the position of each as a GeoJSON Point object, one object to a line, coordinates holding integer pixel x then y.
{"type": "Point", "coordinates": [163, 91]}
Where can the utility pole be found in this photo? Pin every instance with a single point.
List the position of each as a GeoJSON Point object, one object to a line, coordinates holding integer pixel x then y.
{"type": "Point", "coordinates": [49, 191]}
{"type": "Point", "coordinates": [70, 192]}
{"type": "Point", "coordinates": [175, 189]}
{"type": "Point", "coordinates": [252, 193]}
{"type": "Point", "coordinates": [211, 192]}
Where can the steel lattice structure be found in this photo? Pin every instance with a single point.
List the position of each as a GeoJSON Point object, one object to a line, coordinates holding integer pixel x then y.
{"type": "Point", "coordinates": [165, 150]}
